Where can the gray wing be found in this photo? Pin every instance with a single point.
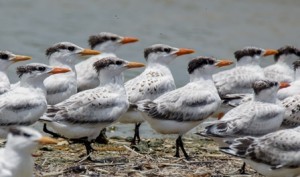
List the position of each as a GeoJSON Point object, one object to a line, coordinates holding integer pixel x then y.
{"type": "Point", "coordinates": [292, 111]}
{"type": "Point", "coordinates": [149, 85]}
{"type": "Point", "coordinates": [236, 80]}
{"type": "Point", "coordinates": [89, 107]}
{"type": "Point", "coordinates": [279, 149]}
{"type": "Point", "coordinates": [252, 119]}
{"type": "Point", "coordinates": [179, 105]}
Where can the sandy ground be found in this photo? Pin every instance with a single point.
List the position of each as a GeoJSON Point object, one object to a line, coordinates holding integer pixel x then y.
{"type": "Point", "coordinates": [153, 157]}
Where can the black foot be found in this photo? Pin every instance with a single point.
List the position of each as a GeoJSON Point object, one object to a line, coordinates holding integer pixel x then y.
{"type": "Point", "coordinates": [179, 144]}
{"type": "Point", "coordinates": [242, 170]}
{"type": "Point", "coordinates": [102, 138]}
{"type": "Point", "coordinates": [55, 135]}
{"type": "Point", "coordinates": [136, 137]}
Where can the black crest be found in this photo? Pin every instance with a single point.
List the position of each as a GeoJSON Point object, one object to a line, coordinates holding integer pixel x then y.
{"type": "Point", "coordinates": [296, 64]}
{"type": "Point", "coordinates": [29, 69]}
{"type": "Point", "coordinates": [95, 40]}
{"type": "Point", "coordinates": [18, 132]}
{"type": "Point", "coordinates": [260, 85]}
{"type": "Point", "coordinates": [249, 51]}
{"type": "Point", "coordinates": [286, 50]}
{"type": "Point", "coordinates": [58, 47]}
{"type": "Point", "coordinates": [200, 62]}
{"type": "Point", "coordinates": [105, 62]}
{"type": "Point", "coordinates": [157, 48]}
{"type": "Point", "coordinates": [4, 55]}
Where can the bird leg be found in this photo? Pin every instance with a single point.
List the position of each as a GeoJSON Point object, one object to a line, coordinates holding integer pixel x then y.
{"type": "Point", "coordinates": [136, 136]}
{"type": "Point", "coordinates": [55, 135]}
{"type": "Point", "coordinates": [88, 147]}
{"type": "Point", "coordinates": [177, 148]}
{"type": "Point", "coordinates": [242, 170]}
{"type": "Point", "coordinates": [180, 143]}
{"type": "Point", "coordinates": [102, 138]}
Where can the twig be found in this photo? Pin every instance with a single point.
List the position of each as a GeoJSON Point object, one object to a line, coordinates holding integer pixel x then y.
{"type": "Point", "coordinates": [101, 170]}
{"type": "Point", "coordinates": [53, 173]}
{"type": "Point", "coordinates": [84, 158]}
{"type": "Point", "coordinates": [44, 161]}
{"type": "Point", "coordinates": [136, 153]}
{"type": "Point", "coordinates": [171, 164]}
{"type": "Point", "coordinates": [105, 164]}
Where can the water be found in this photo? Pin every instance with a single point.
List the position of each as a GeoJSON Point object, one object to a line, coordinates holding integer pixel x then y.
{"type": "Point", "coordinates": [211, 27]}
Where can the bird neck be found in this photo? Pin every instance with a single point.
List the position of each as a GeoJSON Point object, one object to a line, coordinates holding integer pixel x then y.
{"type": "Point", "coordinates": [36, 84]}
{"type": "Point", "coordinates": [4, 78]}
{"type": "Point", "coordinates": [201, 76]}
{"type": "Point", "coordinates": [267, 98]}
{"type": "Point", "coordinates": [108, 79]}
{"type": "Point", "coordinates": [160, 67]}
{"type": "Point", "coordinates": [19, 159]}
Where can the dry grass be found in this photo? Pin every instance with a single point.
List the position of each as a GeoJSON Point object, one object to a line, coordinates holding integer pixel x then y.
{"type": "Point", "coordinates": [153, 158]}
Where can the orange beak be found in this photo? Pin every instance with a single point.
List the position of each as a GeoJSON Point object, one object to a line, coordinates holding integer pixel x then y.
{"type": "Point", "coordinates": [184, 51]}
{"type": "Point", "coordinates": [270, 52]}
{"type": "Point", "coordinates": [89, 52]}
{"type": "Point", "coordinates": [222, 63]}
{"type": "Point", "coordinates": [283, 85]}
{"type": "Point", "coordinates": [127, 40]}
{"type": "Point", "coordinates": [220, 115]}
{"type": "Point", "coordinates": [58, 70]}
{"type": "Point", "coordinates": [135, 65]}
{"type": "Point", "coordinates": [18, 58]}
{"type": "Point", "coordinates": [47, 140]}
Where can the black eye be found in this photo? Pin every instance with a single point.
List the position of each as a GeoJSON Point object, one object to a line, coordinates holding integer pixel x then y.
{"type": "Point", "coordinates": [119, 62]}
{"type": "Point", "coordinates": [71, 48]}
{"type": "Point", "coordinates": [26, 135]}
{"type": "Point", "coordinates": [41, 68]}
{"type": "Point", "coordinates": [276, 84]}
{"type": "Point", "coordinates": [167, 50]}
{"type": "Point", "coordinates": [4, 56]}
{"type": "Point", "coordinates": [113, 38]}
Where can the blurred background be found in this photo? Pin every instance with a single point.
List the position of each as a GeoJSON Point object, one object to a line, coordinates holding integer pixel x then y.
{"type": "Point", "coordinates": [211, 27]}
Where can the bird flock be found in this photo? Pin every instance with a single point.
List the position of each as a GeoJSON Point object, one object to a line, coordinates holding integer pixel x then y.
{"type": "Point", "coordinates": [255, 110]}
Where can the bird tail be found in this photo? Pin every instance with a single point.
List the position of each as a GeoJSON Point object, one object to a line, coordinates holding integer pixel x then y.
{"type": "Point", "coordinates": [238, 147]}
{"type": "Point", "coordinates": [145, 105]}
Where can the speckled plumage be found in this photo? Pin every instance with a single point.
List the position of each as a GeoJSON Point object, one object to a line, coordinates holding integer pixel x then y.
{"type": "Point", "coordinates": [257, 117]}
{"type": "Point", "coordinates": [240, 79]}
{"type": "Point", "coordinates": [282, 70]}
{"type": "Point", "coordinates": [274, 155]}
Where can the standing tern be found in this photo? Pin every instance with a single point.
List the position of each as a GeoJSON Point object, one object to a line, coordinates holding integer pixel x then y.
{"type": "Point", "coordinates": [62, 86]}
{"type": "Point", "coordinates": [83, 115]}
{"type": "Point", "coordinates": [6, 59]}
{"type": "Point", "coordinates": [180, 110]}
{"type": "Point", "coordinates": [25, 104]}
{"type": "Point", "coordinates": [105, 42]}
{"type": "Point", "coordinates": [156, 80]}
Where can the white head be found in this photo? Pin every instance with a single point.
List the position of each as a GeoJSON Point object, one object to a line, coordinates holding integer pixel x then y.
{"type": "Point", "coordinates": [252, 55]}
{"type": "Point", "coordinates": [25, 139]}
{"type": "Point", "coordinates": [287, 54]}
{"type": "Point", "coordinates": [7, 58]}
{"type": "Point", "coordinates": [108, 42]}
{"type": "Point", "coordinates": [164, 54]}
{"type": "Point", "coordinates": [36, 73]}
{"type": "Point", "coordinates": [205, 67]}
{"type": "Point", "coordinates": [112, 67]}
{"type": "Point", "coordinates": [67, 53]}
{"type": "Point", "coordinates": [266, 90]}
